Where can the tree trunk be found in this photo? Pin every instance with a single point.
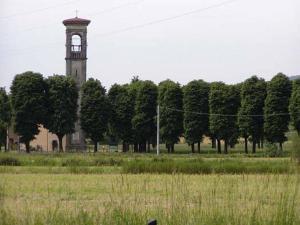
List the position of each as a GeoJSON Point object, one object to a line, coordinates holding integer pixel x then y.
{"type": "Point", "coordinates": [27, 145]}
{"type": "Point", "coordinates": [262, 143]}
{"type": "Point", "coordinates": [127, 147]}
{"type": "Point", "coordinates": [95, 146]}
{"type": "Point", "coordinates": [135, 147]}
{"type": "Point", "coordinates": [148, 146]}
{"type": "Point", "coordinates": [254, 146]}
{"type": "Point", "coordinates": [60, 148]}
{"type": "Point", "coordinates": [123, 146]}
{"type": "Point", "coordinates": [258, 144]}
{"type": "Point", "coordinates": [280, 146]}
{"type": "Point", "coordinates": [172, 148]}
{"type": "Point", "coordinates": [5, 144]}
{"type": "Point", "coordinates": [168, 147]}
{"type": "Point", "coordinates": [219, 146]}
{"type": "Point", "coordinates": [193, 147]}
{"type": "Point", "coordinates": [225, 146]}
{"type": "Point", "coordinates": [246, 145]}
{"type": "Point", "coordinates": [198, 146]}
{"type": "Point", "coordinates": [213, 142]}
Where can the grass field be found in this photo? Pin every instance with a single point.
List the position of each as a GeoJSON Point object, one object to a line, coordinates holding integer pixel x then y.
{"type": "Point", "coordinates": [118, 188]}
{"type": "Point", "coordinates": [133, 199]}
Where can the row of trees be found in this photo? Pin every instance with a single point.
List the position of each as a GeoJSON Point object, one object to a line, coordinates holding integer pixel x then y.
{"type": "Point", "coordinates": [255, 110]}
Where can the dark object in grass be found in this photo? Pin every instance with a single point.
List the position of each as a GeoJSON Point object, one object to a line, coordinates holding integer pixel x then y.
{"type": "Point", "coordinates": [152, 222]}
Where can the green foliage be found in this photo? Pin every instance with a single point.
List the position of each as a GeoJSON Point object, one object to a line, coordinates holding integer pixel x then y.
{"type": "Point", "coordinates": [195, 99]}
{"type": "Point", "coordinates": [296, 148]}
{"type": "Point", "coordinates": [9, 161]}
{"type": "Point", "coordinates": [5, 109]}
{"type": "Point", "coordinates": [95, 110]}
{"type": "Point", "coordinates": [253, 94]}
{"type": "Point", "coordinates": [29, 105]}
{"type": "Point", "coordinates": [295, 105]}
{"type": "Point", "coordinates": [273, 150]}
{"type": "Point", "coordinates": [171, 121]}
{"type": "Point", "coordinates": [196, 166]}
{"type": "Point", "coordinates": [276, 109]}
{"type": "Point", "coordinates": [122, 111]}
{"type": "Point", "coordinates": [224, 101]}
{"type": "Point", "coordinates": [143, 121]}
{"type": "Point", "coordinates": [62, 96]}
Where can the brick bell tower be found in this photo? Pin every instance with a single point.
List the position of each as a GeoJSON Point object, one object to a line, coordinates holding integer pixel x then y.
{"type": "Point", "coordinates": [76, 57]}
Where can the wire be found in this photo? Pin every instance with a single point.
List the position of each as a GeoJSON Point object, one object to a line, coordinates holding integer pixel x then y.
{"type": "Point", "coordinates": [166, 19]}
{"type": "Point", "coordinates": [92, 14]}
{"type": "Point", "coordinates": [157, 21]}
{"type": "Point", "coordinates": [228, 115]}
{"type": "Point", "coordinates": [38, 10]}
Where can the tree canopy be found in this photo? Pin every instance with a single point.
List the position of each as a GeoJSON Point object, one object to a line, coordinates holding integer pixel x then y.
{"type": "Point", "coordinates": [143, 121]}
{"type": "Point", "coordinates": [253, 94]}
{"type": "Point", "coordinates": [122, 111]}
{"type": "Point", "coordinates": [5, 116]}
{"type": "Point", "coordinates": [223, 105]}
{"type": "Point", "coordinates": [276, 109]}
{"type": "Point", "coordinates": [29, 105]}
{"type": "Point", "coordinates": [196, 109]}
{"type": "Point", "coordinates": [295, 105]}
{"type": "Point", "coordinates": [95, 110]}
{"type": "Point", "coordinates": [62, 96]}
{"type": "Point", "coordinates": [171, 115]}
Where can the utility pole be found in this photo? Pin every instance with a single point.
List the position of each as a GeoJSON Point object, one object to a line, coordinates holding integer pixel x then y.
{"type": "Point", "coordinates": [157, 131]}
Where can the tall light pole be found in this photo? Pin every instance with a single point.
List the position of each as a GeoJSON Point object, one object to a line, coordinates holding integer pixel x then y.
{"type": "Point", "coordinates": [157, 131]}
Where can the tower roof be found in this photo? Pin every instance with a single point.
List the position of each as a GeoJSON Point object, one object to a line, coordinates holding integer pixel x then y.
{"type": "Point", "coordinates": [76, 21]}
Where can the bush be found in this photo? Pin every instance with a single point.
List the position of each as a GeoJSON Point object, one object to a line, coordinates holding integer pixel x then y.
{"type": "Point", "coordinates": [9, 161]}
{"type": "Point", "coordinates": [273, 150]}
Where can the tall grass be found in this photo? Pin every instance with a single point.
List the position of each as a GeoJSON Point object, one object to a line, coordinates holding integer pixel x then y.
{"type": "Point", "coordinates": [171, 199]}
{"type": "Point", "coordinates": [198, 166]}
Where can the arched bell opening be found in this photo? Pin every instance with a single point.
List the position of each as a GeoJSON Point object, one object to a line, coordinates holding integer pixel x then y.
{"type": "Point", "coordinates": [76, 43]}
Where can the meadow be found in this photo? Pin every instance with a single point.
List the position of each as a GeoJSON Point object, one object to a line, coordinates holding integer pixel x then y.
{"type": "Point", "coordinates": [131, 188]}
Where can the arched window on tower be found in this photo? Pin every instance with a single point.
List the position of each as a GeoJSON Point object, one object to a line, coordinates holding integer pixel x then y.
{"type": "Point", "coordinates": [76, 43]}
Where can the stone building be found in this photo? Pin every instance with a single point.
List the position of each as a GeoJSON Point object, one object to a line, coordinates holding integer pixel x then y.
{"type": "Point", "coordinates": [76, 58]}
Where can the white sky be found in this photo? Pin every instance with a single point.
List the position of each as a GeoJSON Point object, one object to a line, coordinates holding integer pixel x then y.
{"type": "Point", "coordinates": [227, 43]}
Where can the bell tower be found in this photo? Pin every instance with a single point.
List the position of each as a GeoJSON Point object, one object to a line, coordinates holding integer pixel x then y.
{"type": "Point", "coordinates": [76, 57]}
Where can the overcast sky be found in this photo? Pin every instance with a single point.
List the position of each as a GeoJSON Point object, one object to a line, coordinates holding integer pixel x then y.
{"type": "Point", "coordinates": [223, 43]}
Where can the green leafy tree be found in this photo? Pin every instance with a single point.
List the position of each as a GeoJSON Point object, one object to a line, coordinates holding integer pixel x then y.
{"type": "Point", "coordinates": [95, 110]}
{"type": "Point", "coordinates": [223, 105]}
{"type": "Point", "coordinates": [133, 90]}
{"type": "Point", "coordinates": [143, 121]}
{"type": "Point", "coordinates": [295, 105]}
{"type": "Point", "coordinates": [253, 94]}
{"type": "Point", "coordinates": [171, 115]}
{"type": "Point", "coordinates": [122, 112]}
{"type": "Point", "coordinates": [195, 99]}
{"type": "Point", "coordinates": [5, 116]}
{"type": "Point", "coordinates": [62, 95]}
{"type": "Point", "coordinates": [276, 109]}
{"type": "Point", "coordinates": [29, 105]}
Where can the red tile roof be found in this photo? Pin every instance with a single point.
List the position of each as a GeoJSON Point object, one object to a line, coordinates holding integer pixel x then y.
{"type": "Point", "coordinates": [76, 21]}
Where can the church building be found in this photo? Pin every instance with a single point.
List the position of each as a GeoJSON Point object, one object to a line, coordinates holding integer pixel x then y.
{"type": "Point", "coordinates": [76, 58]}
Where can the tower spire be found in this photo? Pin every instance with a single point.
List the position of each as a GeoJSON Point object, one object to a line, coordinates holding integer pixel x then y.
{"type": "Point", "coordinates": [76, 13]}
